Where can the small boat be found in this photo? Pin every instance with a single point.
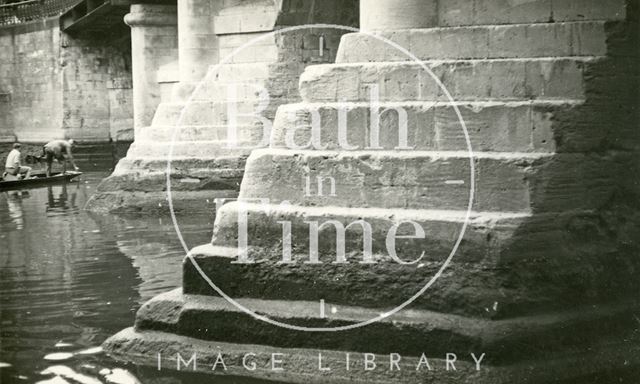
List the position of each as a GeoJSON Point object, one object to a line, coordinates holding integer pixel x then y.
{"type": "Point", "coordinates": [38, 180]}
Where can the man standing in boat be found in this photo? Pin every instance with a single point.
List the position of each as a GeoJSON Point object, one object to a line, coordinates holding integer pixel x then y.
{"type": "Point", "coordinates": [13, 166]}
{"type": "Point", "coordinates": [59, 150]}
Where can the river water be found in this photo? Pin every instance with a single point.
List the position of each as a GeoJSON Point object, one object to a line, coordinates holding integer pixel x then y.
{"type": "Point", "coordinates": [71, 278]}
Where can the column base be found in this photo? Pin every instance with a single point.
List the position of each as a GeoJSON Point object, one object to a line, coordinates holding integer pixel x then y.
{"type": "Point", "coordinates": [585, 346]}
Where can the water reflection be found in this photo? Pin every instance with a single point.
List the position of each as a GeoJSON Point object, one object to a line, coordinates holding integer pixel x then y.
{"type": "Point", "coordinates": [69, 278]}
{"type": "Point", "coordinates": [60, 204]}
{"type": "Point", "coordinates": [14, 206]}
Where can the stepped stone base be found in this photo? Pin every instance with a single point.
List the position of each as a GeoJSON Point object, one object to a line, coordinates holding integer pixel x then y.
{"type": "Point", "coordinates": [140, 185]}
{"type": "Point", "coordinates": [196, 121]}
{"type": "Point", "coordinates": [544, 279]}
{"type": "Point", "coordinates": [128, 202]}
{"type": "Point", "coordinates": [175, 323]}
{"type": "Point", "coordinates": [511, 263]}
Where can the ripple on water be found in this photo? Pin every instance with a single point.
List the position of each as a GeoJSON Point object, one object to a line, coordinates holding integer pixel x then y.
{"type": "Point", "coordinates": [71, 278]}
{"type": "Point", "coordinates": [68, 373]}
{"type": "Point", "coordinates": [58, 356]}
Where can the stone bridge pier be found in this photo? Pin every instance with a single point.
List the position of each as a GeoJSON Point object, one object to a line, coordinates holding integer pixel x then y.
{"type": "Point", "coordinates": [481, 212]}
{"type": "Point", "coordinates": [184, 67]}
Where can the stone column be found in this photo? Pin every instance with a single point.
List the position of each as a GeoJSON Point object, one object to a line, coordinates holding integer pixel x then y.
{"type": "Point", "coordinates": [198, 47]}
{"type": "Point", "coordinates": [392, 14]}
{"type": "Point", "coordinates": [154, 43]}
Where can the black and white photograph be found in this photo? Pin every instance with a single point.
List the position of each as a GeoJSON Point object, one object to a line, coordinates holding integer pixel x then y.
{"type": "Point", "coordinates": [319, 191]}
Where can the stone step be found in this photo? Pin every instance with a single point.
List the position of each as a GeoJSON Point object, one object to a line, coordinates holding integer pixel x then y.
{"type": "Point", "coordinates": [493, 79]}
{"type": "Point", "coordinates": [180, 164]}
{"type": "Point", "coordinates": [506, 182]}
{"type": "Point", "coordinates": [227, 91]}
{"type": "Point", "coordinates": [608, 360]}
{"type": "Point", "coordinates": [525, 126]}
{"type": "Point", "coordinates": [246, 77]}
{"type": "Point", "coordinates": [443, 227]}
{"type": "Point", "coordinates": [182, 167]}
{"type": "Point", "coordinates": [478, 42]}
{"type": "Point", "coordinates": [149, 174]}
{"type": "Point", "coordinates": [156, 202]}
{"type": "Point", "coordinates": [238, 72]}
{"type": "Point", "coordinates": [182, 91]}
{"type": "Point", "coordinates": [188, 315]}
{"type": "Point", "coordinates": [196, 149]}
{"type": "Point", "coordinates": [498, 264]}
{"type": "Point", "coordinates": [246, 133]}
{"type": "Point", "coordinates": [293, 46]}
{"type": "Point", "coordinates": [482, 12]}
{"type": "Point", "coordinates": [199, 113]}
{"type": "Point", "coordinates": [248, 90]}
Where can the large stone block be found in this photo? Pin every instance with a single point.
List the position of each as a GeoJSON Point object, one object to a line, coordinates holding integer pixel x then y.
{"type": "Point", "coordinates": [479, 42]}
{"type": "Point", "coordinates": [464, 12]}
{"type": "Point", "coordinates": [491, 126]}
{"type": "Point", "coordinates": [505, 182]}
{"type": "Point", "coordinates": [201, 113]}
{"type": "Point", "coordinates": [389, 14]}
{"type": "Point", "coordinates": [253, 16]}
{"type": "Point", "coordinates": [501, 263]}
{"type": "Point", "coordinates": [204, 149]}
{"type": "Point", "coordinates": [505, 80]}
{"type": "Point", "coordinates": [188, 315]}
{"type": "Point", "coordinates": [182, 133]}
{"type": "Point", "coordinates": [131, 345]}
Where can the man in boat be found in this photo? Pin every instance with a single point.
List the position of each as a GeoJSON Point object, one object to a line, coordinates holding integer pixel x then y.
{"type": "Point", "coordinates": [59, 150]}
{"type": "Point", "coordinates": [13, 167]}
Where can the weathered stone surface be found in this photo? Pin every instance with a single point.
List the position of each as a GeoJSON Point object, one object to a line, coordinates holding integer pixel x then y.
{"type": "Point", "coordinates": [56, 86]}
{"type": "Point", "coordinates": [463, 12]}
{"type": "Point", "coordinates": [193, 316]}
{"type": "Point", "coordinates": [254, 16]}
{"type": "Point", "coordinates": [201, 113]}
{"type": "Point", "coordinates": [179, 165]}
{"type": "Point", "coordinates": [547, 362]}
{"type": "Point", "coordinates": [190, 133]}
{"type": "Point", "coordinates": [139, 202]}
{"type": "Point", "coordinates": [544, 276]}
{"type": "Point", "coordinates": [501, 259]}
{"type": "Point", "coordinates": [198, 44]}
{"type": "Point", "coordinates": [513, 182]}
{"type": "Point", "coordinates": [301, 367]}
{"type": "Point", "coordinates": [242, 93]}
{"type": "Point", "coordinates": [195, 184]}
{"type": "Point", "coordinates": [198, 149]}
{"type": "Point", "coordinates": [479, 42]}
{"type": "Point", "coordinates": [387, 15]}
{"type": "Point", "coordinates": [526, 126]}
{"type": "Point", "coordinates": [154, 45]}
{"type": "Point", "coordinates": [497, 79]}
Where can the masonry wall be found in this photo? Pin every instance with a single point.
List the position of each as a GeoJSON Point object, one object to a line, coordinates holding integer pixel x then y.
{"type": "Point", "coordinates": [97, 92]}
{"type": "Point", "coordinates": [30, 82]}
{"type": "Point", "coordinates": [55, 86]}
